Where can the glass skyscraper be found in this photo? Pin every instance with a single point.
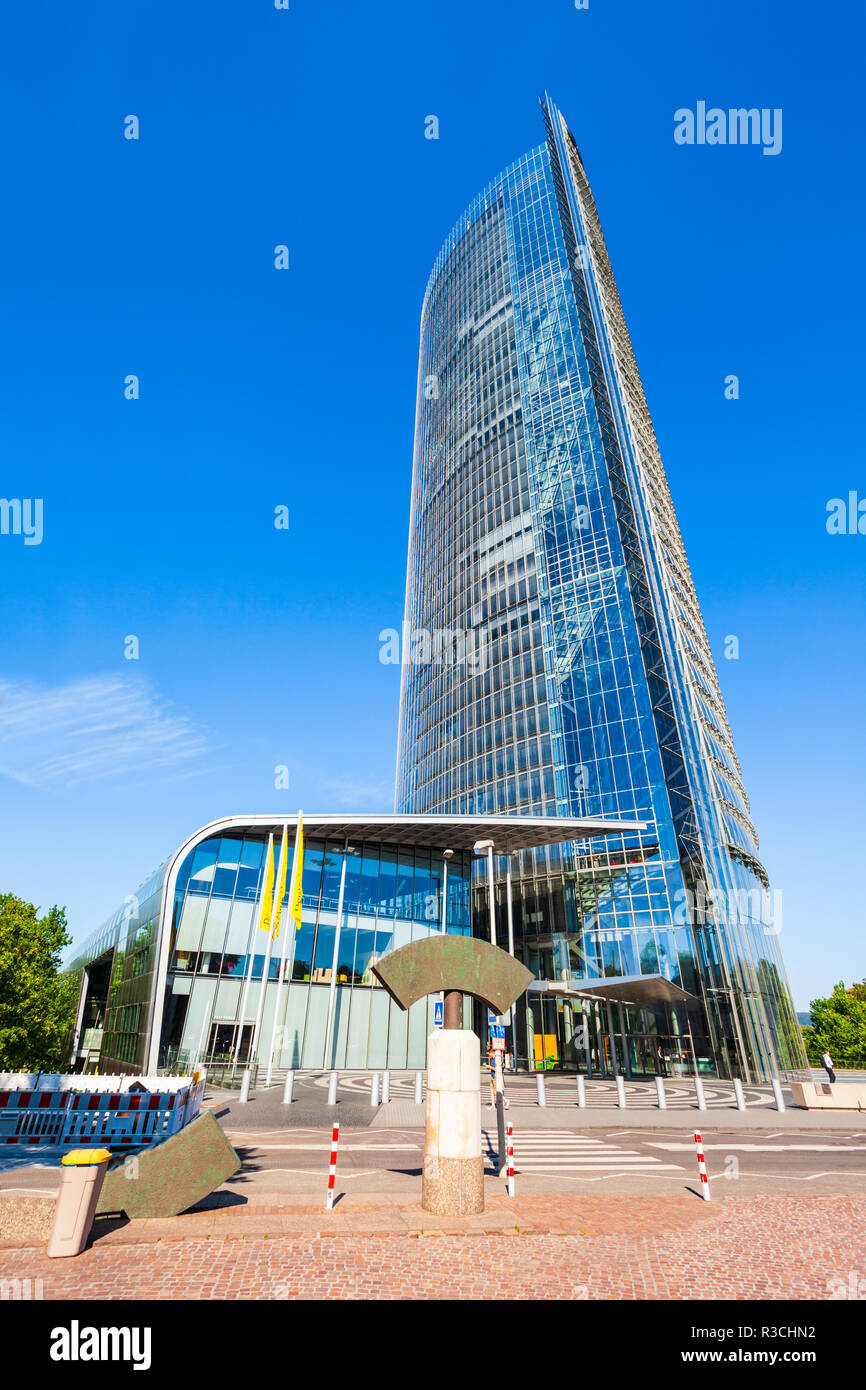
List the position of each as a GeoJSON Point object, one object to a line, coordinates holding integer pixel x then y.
{"type": "Point", "coordinates": [555, 661]}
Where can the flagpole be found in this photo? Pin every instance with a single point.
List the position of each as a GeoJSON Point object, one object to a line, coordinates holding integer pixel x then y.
{"type": "Point", "coordinates": [295, 868]}
{"type": "Point", "coordinates": [256, 922]}
{"type": "Point", "coordinates": [278, 884]}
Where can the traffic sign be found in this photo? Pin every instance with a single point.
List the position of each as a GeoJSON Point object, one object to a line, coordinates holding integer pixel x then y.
{"type": "Point", "coordinates": [438, 1018]}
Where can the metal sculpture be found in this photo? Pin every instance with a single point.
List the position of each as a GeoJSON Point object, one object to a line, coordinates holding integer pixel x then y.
{"type": "Point", "coordinates": [453, 1172]}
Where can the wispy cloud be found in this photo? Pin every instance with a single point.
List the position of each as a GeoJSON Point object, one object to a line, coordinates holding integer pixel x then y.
{"type": "Point", "coordinates": [361, 796]}
{"type": "Point", "coordinates": [90, 730]}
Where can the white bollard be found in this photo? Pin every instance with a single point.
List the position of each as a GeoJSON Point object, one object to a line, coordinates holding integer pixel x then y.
{"type": "Point", "coordinates": [289, 1088]}
{"type": "Point", "coordinates": [581, 1093]}
{"type": "Point", "coordinates": [699, 1094]}
{"type": "Point", "coordinates": [702, 1167]}
{"type": "Point", "coordinates": [738, 1094]}
{"type": "Point", "coordinates": [332, 1089]}
{"type": "Point", "coordinates": [660, 1088]}
{"type": "Point", "coordinates": [620, 1093]}
{"type": "Point", "coordinates": [245, 1087]}
{"type": "Point", "coordinates": [374, 1089]}
{"type": "Point", "coordinates": [419, 1081]}
{"type": "Point", "coordinates": [539, 1084]}
{"type": "Point", "coordinates": [777, 1092]}
{"type": "Point", "coordinates": [386, 1087]}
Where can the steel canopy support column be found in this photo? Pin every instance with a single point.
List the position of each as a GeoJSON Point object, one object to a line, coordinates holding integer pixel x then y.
{"type": "Point", "coordinates": [586, 1044]}
{"type": "Point", "coordinates": [610, 1033]}
{"type": "Point", "coordinates": [443, 926]}
{"type": "Point", "coordinates": [625, 1049]}
{"type": "Point", "coordinates": [599, 1033]}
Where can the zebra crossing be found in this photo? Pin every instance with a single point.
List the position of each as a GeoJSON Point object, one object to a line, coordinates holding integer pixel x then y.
{"type": "Point", "coordinates": [555, 1151]}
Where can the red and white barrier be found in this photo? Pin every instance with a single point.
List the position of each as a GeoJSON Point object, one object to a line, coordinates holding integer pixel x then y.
{"type": "Point", "coordinates": [332, 1170]}
{"type": "Point", "coordinates": [702, 1167]}
{"type": "Point", "coordinates": [509, 1149]}
{"type": "Point", "coordinates": [81, 1081]}
{"type": "Point", "coordinates": [86, 1114]}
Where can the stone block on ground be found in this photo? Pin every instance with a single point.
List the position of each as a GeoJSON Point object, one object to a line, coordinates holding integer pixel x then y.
{"type": "Point", "coordinates": [172, 1176]}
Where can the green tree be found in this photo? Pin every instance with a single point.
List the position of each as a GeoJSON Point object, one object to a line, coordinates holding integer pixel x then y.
{"type": "Point", "coordinates": [37, 1002]}
{"type": "Point", "coordinates": [839, 1027]}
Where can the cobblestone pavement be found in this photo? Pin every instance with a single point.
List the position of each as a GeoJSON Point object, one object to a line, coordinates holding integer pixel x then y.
{"type": "Point", "coordinates": [588, 1247]}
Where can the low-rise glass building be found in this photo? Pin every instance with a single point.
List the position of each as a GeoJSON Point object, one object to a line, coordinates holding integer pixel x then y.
{"type": "Point", "coordinates": [176, 973]}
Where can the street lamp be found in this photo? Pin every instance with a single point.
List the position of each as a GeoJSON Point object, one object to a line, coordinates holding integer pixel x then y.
{"type": "Point", "coordinates": [509, 908]}
{"type": "Point", "coordinates": [480, 847]}
{"type": "Point", "coordinates": [329, 1041]}
{"type": "Point", "coordinates": [447, 854]}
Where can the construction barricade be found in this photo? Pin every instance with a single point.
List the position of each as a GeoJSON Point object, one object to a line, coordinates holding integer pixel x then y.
{"type": "Point", "coordinates": [76, 1110]}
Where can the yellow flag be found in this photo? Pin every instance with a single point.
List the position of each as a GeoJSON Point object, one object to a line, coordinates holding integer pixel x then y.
{"type": "Point", "coordinates": [267, 893]}
{"type": "Point", "coordinates": [284, 864]}
{"type": "Point", "coordinates": [298, 896]}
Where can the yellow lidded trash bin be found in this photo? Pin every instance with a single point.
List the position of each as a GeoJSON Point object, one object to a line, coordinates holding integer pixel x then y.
{"type": "Point", "coordinates": [83, 1175]}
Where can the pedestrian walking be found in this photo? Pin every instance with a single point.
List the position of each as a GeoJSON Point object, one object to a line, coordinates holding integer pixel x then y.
{"type": "Point", "coordinates": [491, 1059]}
{"type": "Point", "coordinates": [827, 1063]}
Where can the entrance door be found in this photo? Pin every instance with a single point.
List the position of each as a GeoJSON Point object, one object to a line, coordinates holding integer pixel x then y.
{"type": "Point", "coordinates": [221, 1044]}
{"type": "Point", "coordinates": [543, 1038]}
{"type": "Point", "coordinates": [643, 1060]}
{"type": "Point", "coordinates": [558, 1039]}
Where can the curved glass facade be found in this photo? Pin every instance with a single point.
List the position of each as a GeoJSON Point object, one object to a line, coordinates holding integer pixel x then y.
{"type": "Point", "coordinates": [168, 982]}
{"type": "Point", "coordinates": [119, 965]}
{"type": "Point", "coordinates": [555, 661]}
{"type": "Point", "coordinates": [393, 895]}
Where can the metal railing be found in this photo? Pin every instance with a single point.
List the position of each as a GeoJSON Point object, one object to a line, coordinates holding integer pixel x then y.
{"type": "Point", "coordinates": [222, 1070]}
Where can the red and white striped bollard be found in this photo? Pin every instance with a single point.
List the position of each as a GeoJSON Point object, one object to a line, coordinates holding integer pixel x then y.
{"type": "Point", "coordinates": [509, 1150]}
{"type": "Point", "coordinates": [702, 1167]}
{"type": "Point", "coordinates": [332, 1170]}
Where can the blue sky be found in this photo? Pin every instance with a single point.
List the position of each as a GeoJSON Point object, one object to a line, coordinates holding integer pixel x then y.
{"type": "Point", "coordinates": [260, 388]}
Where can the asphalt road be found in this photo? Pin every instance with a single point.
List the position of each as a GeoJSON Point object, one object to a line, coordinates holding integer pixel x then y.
{"type": "Point", "coordinates": [615, 1160]}
{"type": "Point", "coordinates": [560, 1148]}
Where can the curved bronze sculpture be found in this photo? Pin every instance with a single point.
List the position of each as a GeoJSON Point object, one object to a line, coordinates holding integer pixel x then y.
{"type": "Point", "coordinates": [456, 965]}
